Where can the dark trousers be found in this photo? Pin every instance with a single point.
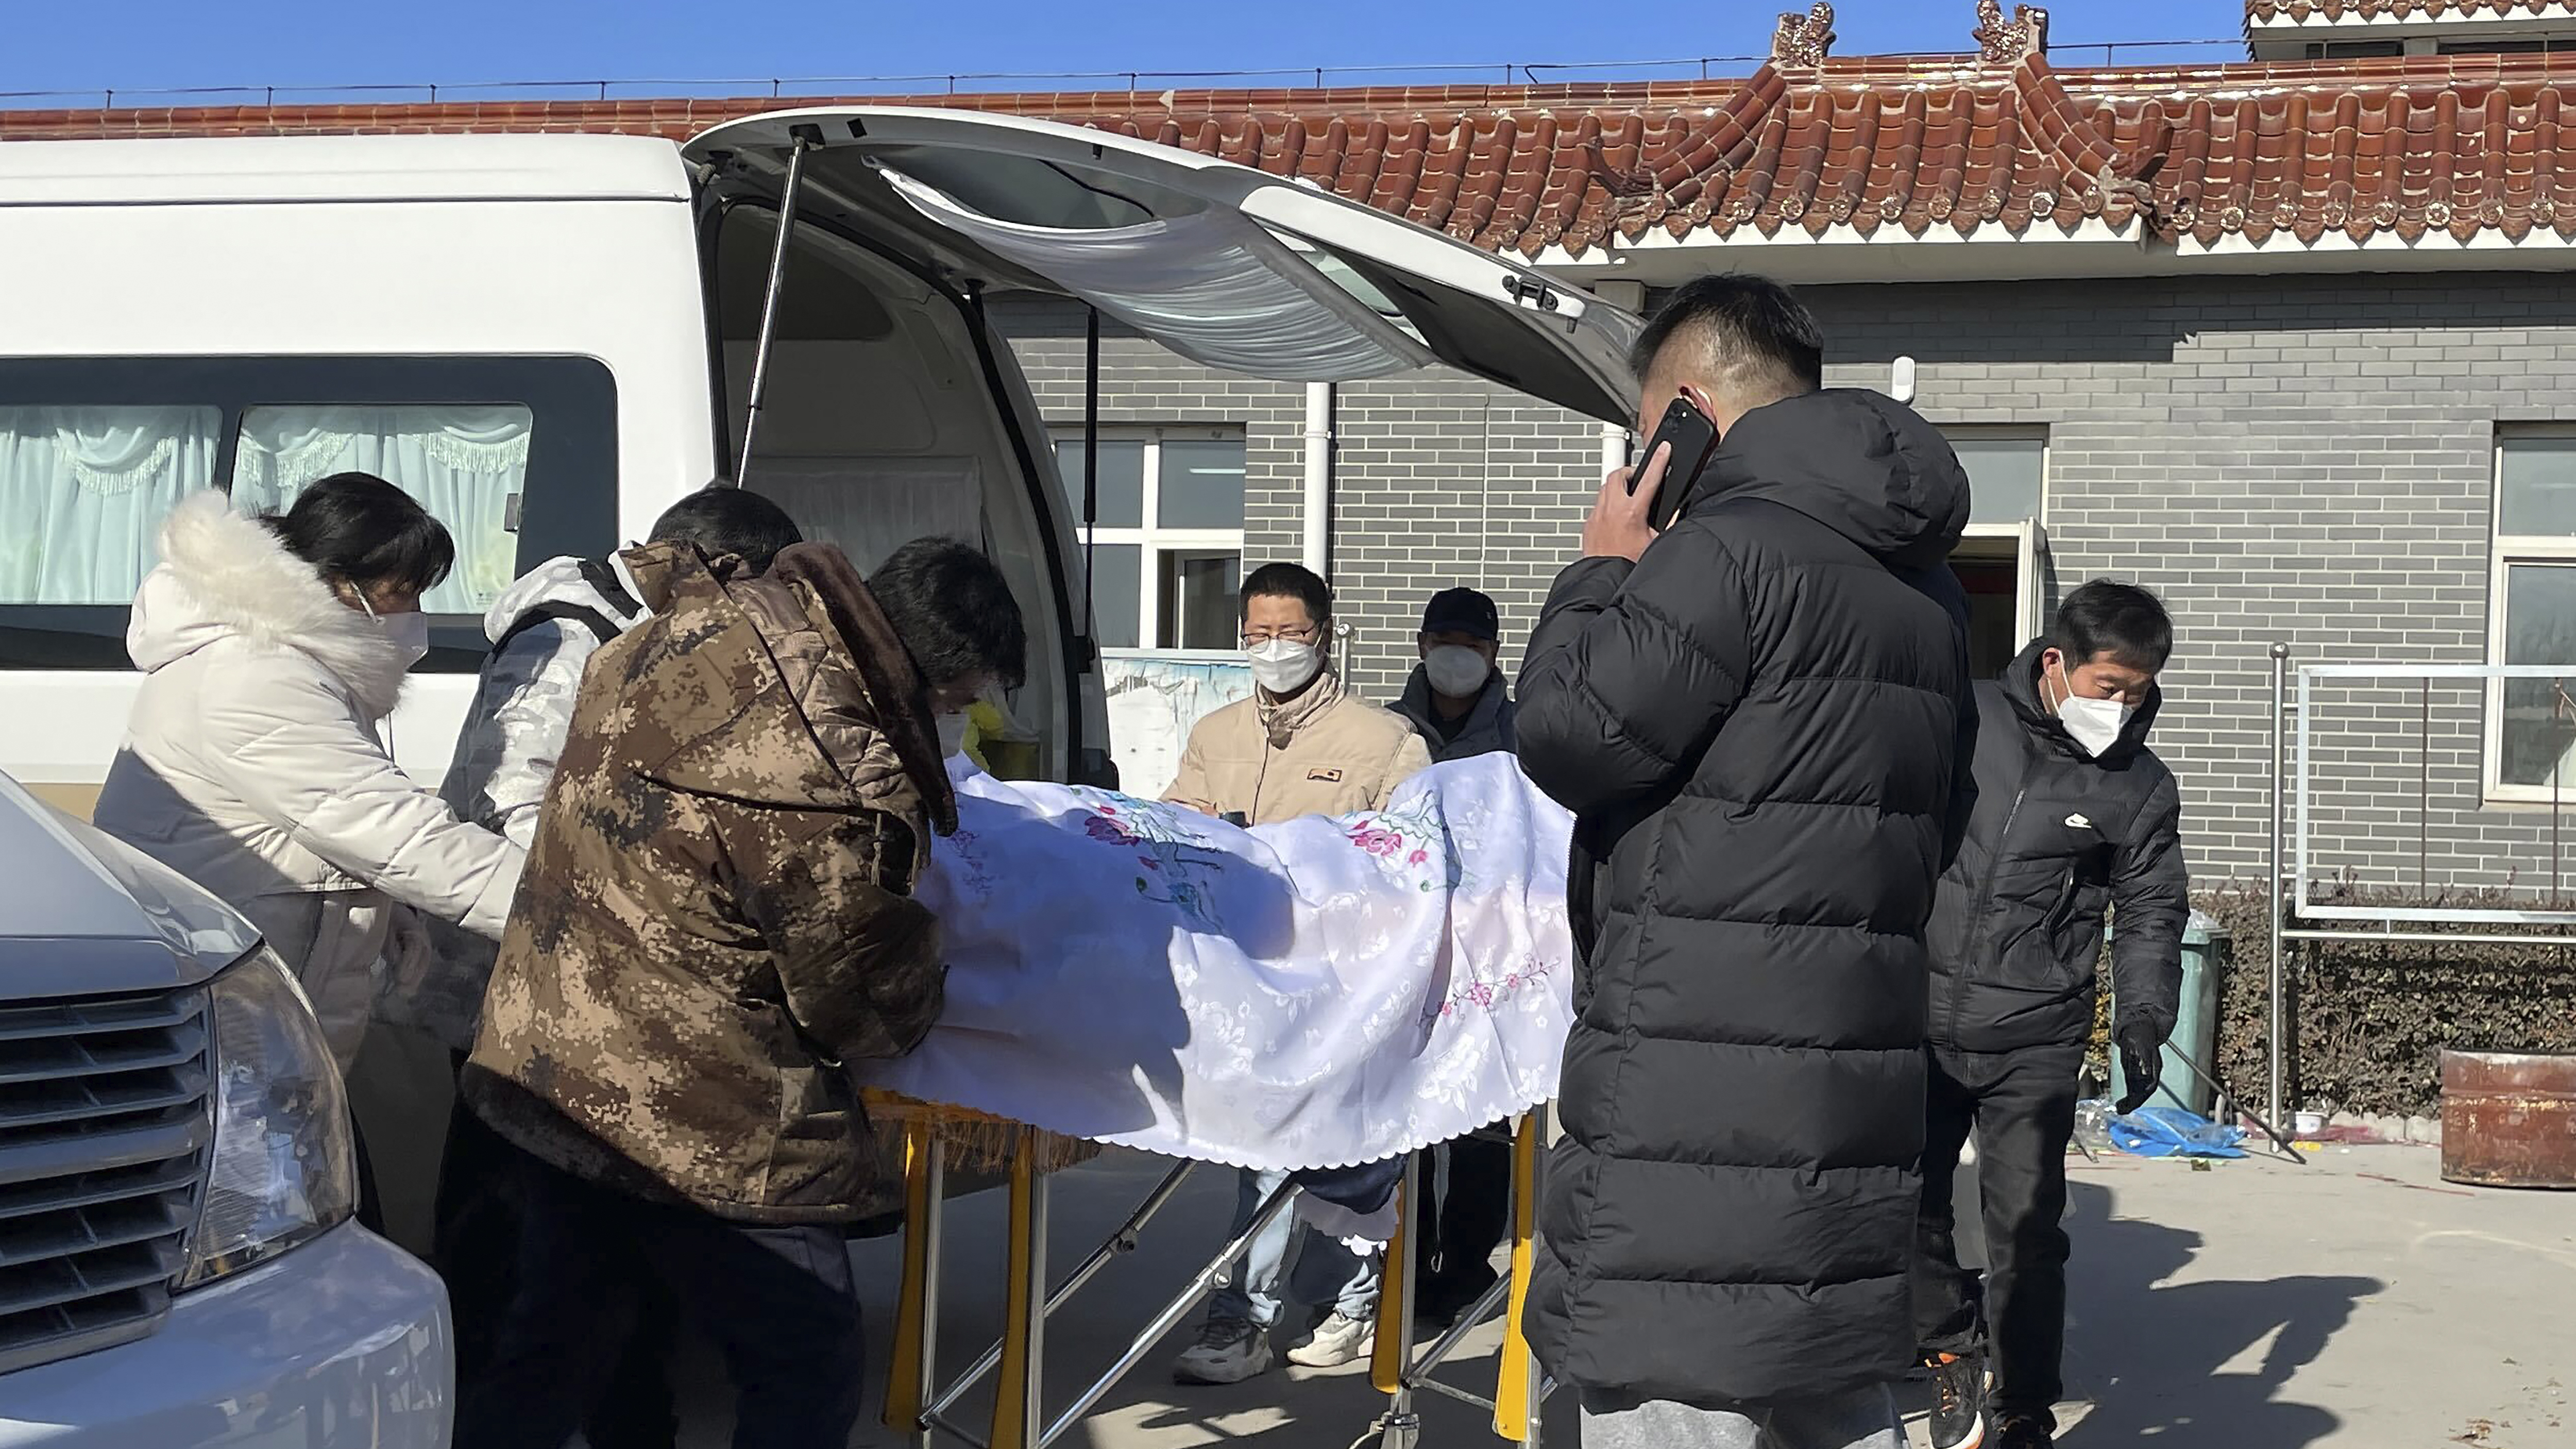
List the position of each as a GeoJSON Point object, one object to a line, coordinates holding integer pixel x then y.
{"type": "Point", "coordinates": [1473, 1215]}
{"type": "Point", "coordinates": [778, 1303]}
{"type": "Point", "coordinates": [474, 1240]}
{"type": "Point", "coordinates": [2022, 1107]}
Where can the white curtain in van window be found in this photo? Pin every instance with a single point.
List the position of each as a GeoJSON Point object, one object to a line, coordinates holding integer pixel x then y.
{"type": "Point", "coordinates": [83, 491]}
{"type": "Point", "coordinates": [869, 507]}
{"type": "Point", "coordinates": [462, 461]}
{"type": "Point", "coordinates": [1210, 285]}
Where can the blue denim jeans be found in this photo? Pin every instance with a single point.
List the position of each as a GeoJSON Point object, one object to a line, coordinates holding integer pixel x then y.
{"type": "Point", "coordinates": [1326, 1273]}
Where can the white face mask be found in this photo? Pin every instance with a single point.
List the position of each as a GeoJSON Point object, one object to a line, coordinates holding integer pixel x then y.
{"type": "Point", "coordinates": [2094, 724]}
{"type": "Point", "coordinates": [409, 632]}
{"type": "Point", "coordinates": [1456, 670]}
{"type": "Point", "coordinates": [1284, 666]}
{"type": "Point", "coordinates": [952, 736]}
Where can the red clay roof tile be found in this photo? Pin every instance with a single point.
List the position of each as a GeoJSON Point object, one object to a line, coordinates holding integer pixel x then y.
{"type": "Point", "coordinates": [2298, 11]}
{"type": "Point", "coordinates": [2410, 146]}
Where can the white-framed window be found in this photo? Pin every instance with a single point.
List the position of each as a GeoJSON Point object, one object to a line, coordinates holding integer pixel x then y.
{"type": "Point", "coordinates": [2531, 615]}
{"type": "Point", "coordinates": [1998, 560]}
{"type": "Point", "coordinates": [1167, 550]}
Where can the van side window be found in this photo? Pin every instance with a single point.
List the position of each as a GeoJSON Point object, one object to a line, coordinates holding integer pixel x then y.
{"type": "Point", "coordinates": [462, 461]}
{"type": "Point", "coordinates": [84, 489]}
{"type": "Point", "coordinates": [517, 455]}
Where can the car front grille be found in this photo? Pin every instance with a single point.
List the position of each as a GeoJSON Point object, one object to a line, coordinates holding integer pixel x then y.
{"type": "Point", "coordinates": [104, 1126]}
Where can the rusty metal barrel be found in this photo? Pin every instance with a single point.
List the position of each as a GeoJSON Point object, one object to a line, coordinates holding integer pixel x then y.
{"type": "Point", "coordinates": [2509, 1119]}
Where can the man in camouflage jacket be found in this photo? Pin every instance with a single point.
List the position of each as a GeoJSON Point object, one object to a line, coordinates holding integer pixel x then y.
{"type": "Point", "coordinates": [716, 916]}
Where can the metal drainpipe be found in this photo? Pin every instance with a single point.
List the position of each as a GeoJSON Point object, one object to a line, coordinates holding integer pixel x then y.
{"type": "Point", "coordinates": [1319, 478]}
{"type": "Point", "coordinates": [1614, 448]}
{"type": "Point", "coordinates": [1614, 436]}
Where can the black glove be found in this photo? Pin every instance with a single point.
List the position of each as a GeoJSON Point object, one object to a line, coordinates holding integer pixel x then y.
{"type": "Point", "coordinates": [2142, 1059]}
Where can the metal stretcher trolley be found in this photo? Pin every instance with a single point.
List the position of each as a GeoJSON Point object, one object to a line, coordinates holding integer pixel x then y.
{"type": "Point", "coordinates": [919, 1404]}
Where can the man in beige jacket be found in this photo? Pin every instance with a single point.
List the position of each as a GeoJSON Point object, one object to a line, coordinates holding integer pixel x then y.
{"type": "Point", "coordinates": [1301, 745]}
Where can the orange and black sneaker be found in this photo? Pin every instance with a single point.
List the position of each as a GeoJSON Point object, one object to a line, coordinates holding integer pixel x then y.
{"type": "Point", "coordinates": [1958, 1400]}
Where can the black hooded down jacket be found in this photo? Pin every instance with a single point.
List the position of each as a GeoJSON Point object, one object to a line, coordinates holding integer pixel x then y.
{"type": "Point", "coordinates": [1756, 726]}
{"type": "Point", "coordinates": [2058, 839]}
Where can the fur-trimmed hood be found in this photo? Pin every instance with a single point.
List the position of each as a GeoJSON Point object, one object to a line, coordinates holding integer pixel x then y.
{"type": "Point", "coordinates": [224, 575]}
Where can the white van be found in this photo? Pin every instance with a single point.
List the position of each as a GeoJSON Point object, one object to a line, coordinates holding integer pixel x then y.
{"type": "Point", "coordinates": [548, 339]}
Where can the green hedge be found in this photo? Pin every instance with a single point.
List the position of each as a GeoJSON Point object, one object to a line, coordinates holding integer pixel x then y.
{"type": "Point", "coordinates": [2373, 1020]}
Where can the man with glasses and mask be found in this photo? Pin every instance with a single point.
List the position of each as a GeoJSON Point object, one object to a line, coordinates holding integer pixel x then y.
{"type": "Point", "coordinates": [1301, 745]}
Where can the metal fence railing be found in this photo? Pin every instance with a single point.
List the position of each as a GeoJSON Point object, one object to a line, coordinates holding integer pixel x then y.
{"type": "Point", "coordinates": [2418, 803]}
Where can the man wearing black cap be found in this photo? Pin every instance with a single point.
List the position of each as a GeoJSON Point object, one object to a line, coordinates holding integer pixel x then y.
{"type": "Point", "coordinates": [1456, 699]}
{"type": "Point", "coordinates": [1459, 703]}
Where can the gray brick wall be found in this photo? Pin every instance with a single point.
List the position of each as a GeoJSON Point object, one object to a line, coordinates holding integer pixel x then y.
{"type": "Point", "coordinates": [1439, 479]}
{"type": "Point", "coordinates": [2299, 459]}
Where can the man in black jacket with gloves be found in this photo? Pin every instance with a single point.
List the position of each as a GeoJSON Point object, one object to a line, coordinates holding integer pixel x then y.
{"type": "Point", "coordinates": [1758, 718]}
{"type": "Point", "coordinates": [2074, 815]}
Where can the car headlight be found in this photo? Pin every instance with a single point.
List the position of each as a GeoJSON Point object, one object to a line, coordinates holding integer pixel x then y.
{"type": "Point", "coordinates": [284, 1167]}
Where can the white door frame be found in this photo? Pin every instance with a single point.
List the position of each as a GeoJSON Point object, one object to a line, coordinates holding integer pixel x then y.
{"type": "Point", "coordinates": [2030, 546]}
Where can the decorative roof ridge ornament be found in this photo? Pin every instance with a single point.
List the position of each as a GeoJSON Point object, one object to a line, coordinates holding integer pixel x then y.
{"type": "Point", "coordinates": [1802, 42]}
{"type": "Point", "coordinates": [2003, 42]}
{"type": "Point", "coordinates": [1633, 190]}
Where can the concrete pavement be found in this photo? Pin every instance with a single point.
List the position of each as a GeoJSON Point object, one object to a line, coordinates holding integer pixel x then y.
{"type": "Point", "coordinates": [2358, 1301]}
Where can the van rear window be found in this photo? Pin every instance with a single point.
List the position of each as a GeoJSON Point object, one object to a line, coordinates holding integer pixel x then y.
{"type": "Point", "coordinates": [517, 456]}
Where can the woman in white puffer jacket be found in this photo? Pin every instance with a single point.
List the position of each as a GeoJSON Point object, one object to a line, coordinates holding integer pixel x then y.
{"type": "Point", "coordinates": [272, 650]}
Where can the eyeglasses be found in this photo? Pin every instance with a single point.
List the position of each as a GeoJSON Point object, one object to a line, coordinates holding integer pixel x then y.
{"type": "Point", "coordinates": [1307, 635]}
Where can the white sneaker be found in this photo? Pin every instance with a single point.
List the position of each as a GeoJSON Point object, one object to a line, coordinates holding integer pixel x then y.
{"type": "Point", "coordinates": [1226, 1353]}
{"type": "Point", "coordinates": [1337, 1341]}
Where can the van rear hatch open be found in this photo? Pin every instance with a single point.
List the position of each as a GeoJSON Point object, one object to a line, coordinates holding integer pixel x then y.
{"type": "Point", "coordinates": [1224, 264]}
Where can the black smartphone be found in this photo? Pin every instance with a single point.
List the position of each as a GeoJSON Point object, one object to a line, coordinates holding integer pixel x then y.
{"type": "Point", "coordinates": [1237, 819]}
{"type": "Point", "coordinates": [1693, 437]}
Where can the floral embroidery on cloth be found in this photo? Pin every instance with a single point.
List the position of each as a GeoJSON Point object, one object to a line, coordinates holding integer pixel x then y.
{"type": "Point", "coordinates": [1321, 992]}
{"type": "Point", "coordinates": [1413, 835]}
{"type": "Point", "coordinates": [1487, 995]}
{"type": "Point", "coordinates": [1173, 864]}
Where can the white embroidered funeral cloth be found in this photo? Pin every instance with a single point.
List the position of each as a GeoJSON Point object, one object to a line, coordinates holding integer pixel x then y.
{"type": "Point", "coordinates": [1322, 992]}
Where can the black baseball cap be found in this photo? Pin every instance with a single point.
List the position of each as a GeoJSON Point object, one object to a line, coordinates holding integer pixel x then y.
{"type": "Point", "coordinates": [1462, 611]}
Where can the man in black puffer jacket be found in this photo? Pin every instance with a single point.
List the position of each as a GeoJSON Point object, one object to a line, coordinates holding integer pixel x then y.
{"type": "Point", "coordinates": [1760, 722]}
{"type": "Point", "coordinates": [2074, 816]}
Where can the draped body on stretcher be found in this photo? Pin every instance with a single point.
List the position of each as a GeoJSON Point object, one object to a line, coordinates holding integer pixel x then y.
{"type": "Point", "coordinates": [1315, 993]}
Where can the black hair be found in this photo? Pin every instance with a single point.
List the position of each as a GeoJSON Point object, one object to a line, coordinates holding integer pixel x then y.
{"type": "Point", "coordinates": [953, 610]}
{"type": "Point", "coordinates": [1759, 340]}
{"type": "Point", "coordinates": [2121, 620]}
{"type": "Point", "coordinates": [362, 530]}
{"type": "Point", "coordinates": [1287, 581]}
{"type": "Point", "coordinates": [722, 519]}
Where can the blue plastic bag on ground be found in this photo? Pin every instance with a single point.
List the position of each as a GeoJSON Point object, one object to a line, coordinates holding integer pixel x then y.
{"type": "Point", "coordinates": [2173, 1132]}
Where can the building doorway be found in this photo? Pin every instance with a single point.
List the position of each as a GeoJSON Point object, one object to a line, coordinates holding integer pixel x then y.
{"type": "Point", "coordinates": [2001, 561]}
{"type": "Point", "coordinates": [1999, 565]}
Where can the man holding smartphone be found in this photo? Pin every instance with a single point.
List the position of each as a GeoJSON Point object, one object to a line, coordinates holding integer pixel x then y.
{"type": "Point", "coordinates": [1760, 718]}
{"type": "Point", "coordinates": [1301, 745]}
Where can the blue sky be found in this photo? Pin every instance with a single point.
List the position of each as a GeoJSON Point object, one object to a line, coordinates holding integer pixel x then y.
{"type": "Point", "coordinates": [139, 44]}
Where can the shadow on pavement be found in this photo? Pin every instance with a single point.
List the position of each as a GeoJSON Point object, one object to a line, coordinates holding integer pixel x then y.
{"type": "Point", "coordinates": [2168, 1355]}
